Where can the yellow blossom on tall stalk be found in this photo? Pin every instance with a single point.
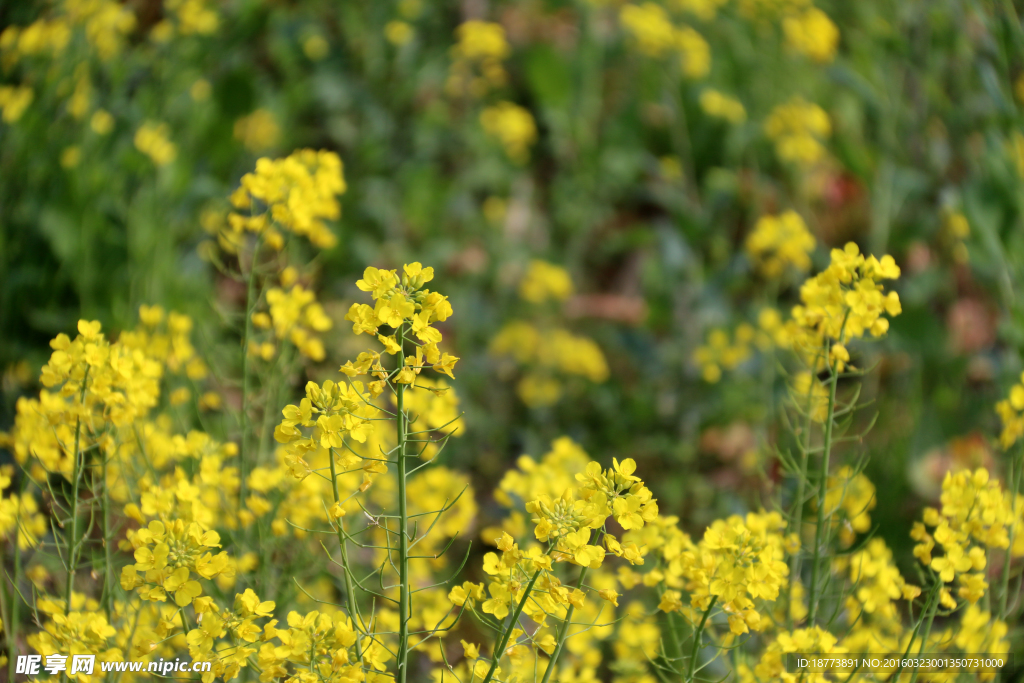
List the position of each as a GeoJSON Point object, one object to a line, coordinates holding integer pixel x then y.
{"type": "Point", "coordinates": [872, 606]}
{"type": "Point", "coordinates": [844, 302]}
{"type": "Point", "coordinates": [572, 527]}
{"type": "Point", "coordinates": [738, 562]}
{"type": "Point", "coordinates": [976, 517]}
{"type": "Point", "coordinates": [336, 418]}
{"type": "Point", "coordinates": [166, 556]}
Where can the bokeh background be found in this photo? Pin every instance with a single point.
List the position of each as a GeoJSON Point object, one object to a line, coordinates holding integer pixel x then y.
{"type": "Point", "coordinates": [585, 177]}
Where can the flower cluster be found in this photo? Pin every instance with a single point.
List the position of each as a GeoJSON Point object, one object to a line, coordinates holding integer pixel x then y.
{"type": "Point", "coordinates": [512, 126]}
{"type": "Point", "coordinates": [477, 59]}
{"type": "Point", "coordinates": [1011, 413]}
{"type": "Point", "coordinates": [105, 24]}
{"type": "Point", "coordinates": [153, 140]}
{"type": "Point", "coordinates": [976, 516]}
{"type": "Point", "coordinates": [400, 302]}
{"type": "Point", "coordinates": [296, 193]}
{"type": "Point", "coordinates": [773, 665]}
{"type": "Point", "coordinates": [848, 499]}
{"type": "Point", "coordinates": [719, 105]}
{"type": "Point", "coordinates": [722, 353]}
{"type": "Point", "coordinates": [780, 242]}
{"type": "Point", "coordinates": [812, 33]}
{"type": "Point", "coordinates": [166, 556]}
{"type": "Point", "coordinates": [258, 131]}
{"type": "Point", "coordinates": [844, 302]}
{"type": "Point", "coordinates": [798, 128]}
{"type": "Point", "coordinates": [14, 100]}
{"type": "Point", "coordinates": [20, 514]}
{"type": "Point", "coordinates": [90, 383]}
{"type": "Point", "coordinates": [80, 629]}
{"type": "Point", "coordinates": [872, 606]}
{"type": "Point", "coordinates": [547, 354]}
{"type": "Point", "coordinates": [738, 562]}
{"type": "Point", "coordinates": [293, 314]}
{"type": "Point", "coordinates": [655, 35]}
{"type": "Point", "coordinates": [572, 527]}
{"type": "Point", "coordinates": [544, 282]}
{"type": "Point", "coordinates": [332, 412]}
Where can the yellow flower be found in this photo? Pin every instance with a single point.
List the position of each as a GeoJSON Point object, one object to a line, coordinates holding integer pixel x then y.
{"type": "Point", "coordinates": [798, 127]}
{"type": "Point", "coordinates": [14, 100]}
{"type": "Point", "coordinates": [512, 126]}
{"type": "Point", "coordinates": [545, 281]}
{"type": "Point", "coordinates": [258, 131]}
{"type": "Point", "coordinates": [722, 106]}
{"type": "Point", "coordinates": [477, 59]}
{"type": "Point", "coordinates": [813, 34]}
{"type": "Point", "coordinates": [298, 193]}
{"type": "Point", "coordinates": [316, 47]}
{"type": "Point", "coordinates": [398, 32]}
{"type": "Point", "coordinates": [778, 242]}
{"type": "Point", "coordinates": [152, 139]}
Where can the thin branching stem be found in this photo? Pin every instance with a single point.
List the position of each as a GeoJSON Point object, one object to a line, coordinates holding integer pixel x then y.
{"type": "Point", "coordinates": [812, 597]}
{"type": "Point", "coordinates": [404, 606]}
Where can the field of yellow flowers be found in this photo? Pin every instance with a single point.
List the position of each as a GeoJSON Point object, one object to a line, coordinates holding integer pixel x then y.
{"type": "Point", "coordinates": [512, 341]}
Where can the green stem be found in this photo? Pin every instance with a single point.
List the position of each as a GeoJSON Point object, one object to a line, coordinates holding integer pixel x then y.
{"type": "Point", "coordinates": [698, 637]}
{"type": "Point", "coordinates": [563, 630]}
{"type": "Point", "coordinates": [1014, 481]}
{"type": "Point", "coordinates": [5, 600]}
{"type": "Point", "coordinates": [932, 597]}
{"type": "Point", "coordinates": [500, 648]}
{"type": "Point", "coordinates": [350, 594]}
{"type": "Point", "coordinates": [812, 596]}
{"type": "Point", "coordinates": [244, 454]}
{"type": "Point", "coordinates": [929, 618]}
{"type": "Point", "coordinates": [279, 378]}
{"type": "Point", "coordinates": [798, 512]}
{"type": "Point", "coordinates": [71, 538]}
{"type": "Point", "coordinates": [404, 607]}
{"type": "Point", "coordinates": [108, 569]}
{"type": "Point", "coordinates": [675, 647]}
